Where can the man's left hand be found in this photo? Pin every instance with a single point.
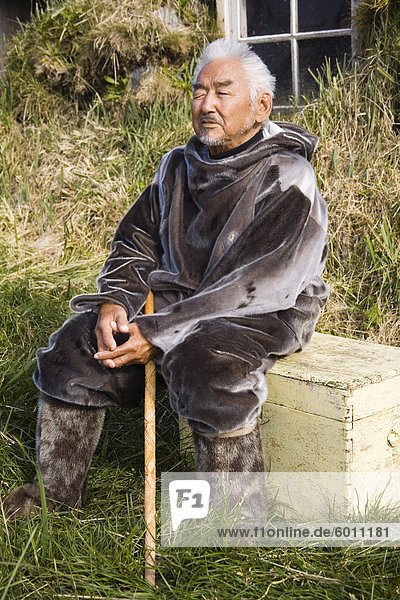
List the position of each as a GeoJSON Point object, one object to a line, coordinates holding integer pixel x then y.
{"type": "Point", "coordinates": [137, 349]}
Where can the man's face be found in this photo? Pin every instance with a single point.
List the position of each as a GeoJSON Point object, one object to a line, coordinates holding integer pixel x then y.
{"type": "Point", "coordinates": [223, 115]}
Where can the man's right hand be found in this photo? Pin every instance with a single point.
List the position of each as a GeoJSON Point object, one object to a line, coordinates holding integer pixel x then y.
{"type": "Point", "coordinates": [112, 318]}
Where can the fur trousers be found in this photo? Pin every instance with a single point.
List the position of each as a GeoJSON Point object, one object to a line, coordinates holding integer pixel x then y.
{"type": "Point", "coordinates": [215, 376]}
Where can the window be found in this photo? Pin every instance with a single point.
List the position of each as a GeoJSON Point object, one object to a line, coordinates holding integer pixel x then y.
{"type": "Point", "coordinates": [292, 37]}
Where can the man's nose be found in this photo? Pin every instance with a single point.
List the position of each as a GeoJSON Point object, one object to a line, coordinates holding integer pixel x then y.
{"type": "Point", "coordinates": [208, 104]}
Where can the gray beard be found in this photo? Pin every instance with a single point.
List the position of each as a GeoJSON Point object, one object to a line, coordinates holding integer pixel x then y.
{"type": "Point", "coordinates": [210, 141]}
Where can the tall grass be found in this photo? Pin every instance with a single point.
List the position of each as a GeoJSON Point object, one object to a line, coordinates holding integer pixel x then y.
{"type": "Point", "coordinates": [69, 168]}
{"type": "Point", "coordinates": [357, 163]}
{"type": "Point", "coordinates": [357, 118]}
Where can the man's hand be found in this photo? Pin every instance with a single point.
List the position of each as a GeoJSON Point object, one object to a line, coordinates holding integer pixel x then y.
{"type": "Point", "coordinates": [137, 349]}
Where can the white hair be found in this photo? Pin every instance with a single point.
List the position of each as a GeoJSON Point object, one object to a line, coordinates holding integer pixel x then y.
{"type": "Point", "coordinates": [258, 75]}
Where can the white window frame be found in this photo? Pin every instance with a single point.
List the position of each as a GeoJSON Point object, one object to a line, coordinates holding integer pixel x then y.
{"type": "Point", "coordinates": [233, 22]}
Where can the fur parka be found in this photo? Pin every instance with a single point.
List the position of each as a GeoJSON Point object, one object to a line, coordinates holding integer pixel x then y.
{"type": "Point", "coordinates": [213, 237]}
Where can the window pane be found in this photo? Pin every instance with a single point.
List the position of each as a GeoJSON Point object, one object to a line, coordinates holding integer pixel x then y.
{"type": "Point", "coordinates": [315, 15]}
{"type": "Point", "coordinates": [312, 55]}
{"type": "Point", "coordinates": [266, 17]}
{"type": "Point", "coordinates": [277, 57]}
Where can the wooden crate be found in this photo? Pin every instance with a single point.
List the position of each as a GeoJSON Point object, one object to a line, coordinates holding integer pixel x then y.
{"type": "Point", "coordinates": [336, 408]}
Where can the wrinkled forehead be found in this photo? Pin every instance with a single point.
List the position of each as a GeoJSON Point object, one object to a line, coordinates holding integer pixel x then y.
{"type": "Point", "coordinates": [222, 72]}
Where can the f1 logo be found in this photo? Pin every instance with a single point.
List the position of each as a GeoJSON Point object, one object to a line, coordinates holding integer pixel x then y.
{"type": "Point", "coordinates": [189, 499]}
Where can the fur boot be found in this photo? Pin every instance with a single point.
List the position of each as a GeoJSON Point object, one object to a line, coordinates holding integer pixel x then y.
{"type": "Point", "coordinates": [66, 438]}
{"type": "Point", "coordinates": [233, 453]}
{"type": "Point", "coordinates": [240, 454]}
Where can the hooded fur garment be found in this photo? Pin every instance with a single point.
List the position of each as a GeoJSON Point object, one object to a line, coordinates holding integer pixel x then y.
{"type": "Point", "coordinates": [220, 237]}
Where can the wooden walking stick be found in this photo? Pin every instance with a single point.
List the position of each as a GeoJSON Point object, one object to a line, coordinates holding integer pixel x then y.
{"type": "Point", "coordinates": [150, 461]}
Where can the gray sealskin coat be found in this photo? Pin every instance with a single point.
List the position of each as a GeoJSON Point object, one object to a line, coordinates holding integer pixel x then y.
{"type": "Point", "coordinates": [236, 236]}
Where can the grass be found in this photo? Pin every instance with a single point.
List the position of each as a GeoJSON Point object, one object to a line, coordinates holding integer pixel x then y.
{"type": "Point", "coordinates": [357, 162]}
{"type": "Point", "coordinates": [70, 165]}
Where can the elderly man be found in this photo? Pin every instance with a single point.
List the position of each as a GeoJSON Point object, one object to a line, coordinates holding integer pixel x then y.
{"type": "Point", "coordinates": [231, 238]}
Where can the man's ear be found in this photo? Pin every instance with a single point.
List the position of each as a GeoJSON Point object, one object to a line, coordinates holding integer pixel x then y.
{"type": "Point", "coordinates": [263, 107]}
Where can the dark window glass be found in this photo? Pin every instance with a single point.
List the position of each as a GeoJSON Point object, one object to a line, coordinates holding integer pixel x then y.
{"type": "Point", "coordinates": [312, 55]}
{"type": "Point", "coordinates": [267, 17]}
{"type": "Point", "coordinates": [316, 15]}
{"type": "Point", "coordinates": [277, 57]}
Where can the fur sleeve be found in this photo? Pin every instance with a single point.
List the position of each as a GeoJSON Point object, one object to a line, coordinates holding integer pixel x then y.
{"type": "Point", "coordinates": [135, 252]}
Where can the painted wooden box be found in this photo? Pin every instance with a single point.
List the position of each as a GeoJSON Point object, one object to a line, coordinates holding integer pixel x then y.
{"type": "Point", "coordinates": [335, 407]}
